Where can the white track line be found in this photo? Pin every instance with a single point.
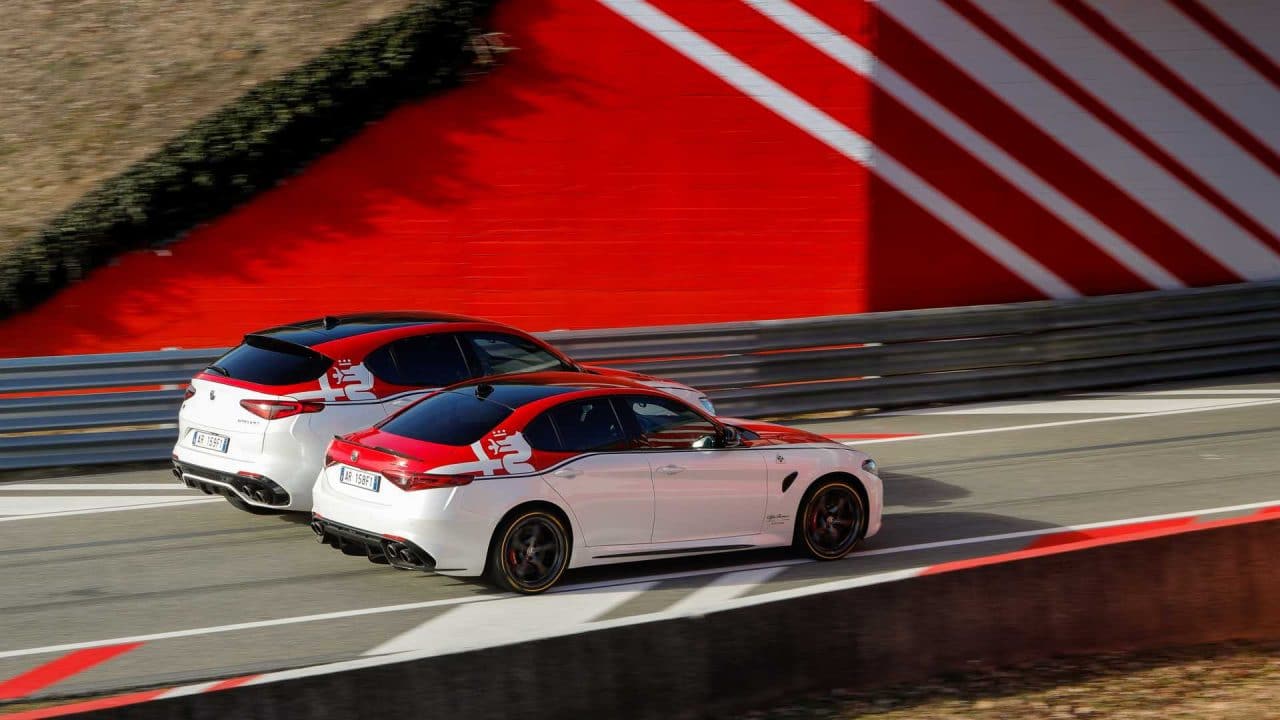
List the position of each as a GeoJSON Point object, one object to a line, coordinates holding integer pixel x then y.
{"type": "Point", "coordinates": [1058, 423]}
{"type": "Point", "coordinates": [838, 137]}
{"type": "Point", "coordinates": [81, 487]}
{"type": "Point", "coordinates": [645, 581]}
{"type": "Point", "coordinates": [216, 629]}
{"type": "Point", "coordinates": [166, 504]}
{"type": "Point", "coordinates": [1055, 530]}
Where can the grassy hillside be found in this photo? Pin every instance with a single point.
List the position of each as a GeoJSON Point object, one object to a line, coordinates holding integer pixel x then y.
{"type": "Point", "coordinates": [91, 86]}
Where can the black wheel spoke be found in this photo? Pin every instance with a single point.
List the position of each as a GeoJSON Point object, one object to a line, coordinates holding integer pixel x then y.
{"type": "Point", "coordinates": [536, 552]}
{"type": "Point", "coordinates": [833, 521]}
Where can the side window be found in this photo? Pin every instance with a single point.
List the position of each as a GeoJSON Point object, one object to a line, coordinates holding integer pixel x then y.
{"type": "Point", "coordinates": [585, 425]}
{"type": "Point", "coordinates": [500, 354]}
{"type": "Point", "coordinates": [667, 424]}
{"type": "Point", "coordinates": [541, 434]}
{"type": "Point", "coordinates": [424, 361]}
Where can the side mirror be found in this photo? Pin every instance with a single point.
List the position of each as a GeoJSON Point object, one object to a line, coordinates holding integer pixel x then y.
{"type": "Point", "coordinates": [730, 437]}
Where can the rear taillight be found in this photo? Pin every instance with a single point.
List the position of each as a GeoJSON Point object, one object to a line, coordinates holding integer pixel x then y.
{"type": "Point", "coordinates": [191, 390]}
{"type": "Point", "coordinates": [276, 409]}
{"type": "Point", "coordinates": [410, 481]}
{"type": "Point", "coordinates": [333, 456]}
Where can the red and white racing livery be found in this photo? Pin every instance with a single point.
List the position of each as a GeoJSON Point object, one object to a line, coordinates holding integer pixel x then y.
{"type": "Point", "coordinates": [255, 424]}
{"type": "Point", "coordinates": [522, 477]}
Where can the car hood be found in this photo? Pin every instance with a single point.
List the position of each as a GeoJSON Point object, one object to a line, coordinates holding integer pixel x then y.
{"type": "Point", "coordinates": [770, 434]}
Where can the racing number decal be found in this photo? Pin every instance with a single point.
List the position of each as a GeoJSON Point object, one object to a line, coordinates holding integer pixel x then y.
{"type": "Point", "coordinates": [501, 452]}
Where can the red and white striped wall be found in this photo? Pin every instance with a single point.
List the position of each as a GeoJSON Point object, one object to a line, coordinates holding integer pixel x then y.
{"type": "Point", "coordinates": [642, 162]}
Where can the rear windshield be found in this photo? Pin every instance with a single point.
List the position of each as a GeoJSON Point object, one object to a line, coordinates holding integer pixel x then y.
{"type": "Point", "coordinates": [448, 418]}
{"type": "Point", "coordinates": [271, 362]}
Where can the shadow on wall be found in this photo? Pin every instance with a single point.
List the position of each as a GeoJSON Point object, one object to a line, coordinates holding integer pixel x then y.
{"type": "Point", "coordinates": [266, 261]}
{"type": "Point", "coordinates": [598, 179]}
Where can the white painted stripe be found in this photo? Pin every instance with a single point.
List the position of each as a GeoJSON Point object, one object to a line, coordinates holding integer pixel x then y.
{"type": "Point", "coordinates": [1203, 62]}
{"type": "Point", "coordinates": [643, 583]}
{"type": "Point", "coordinates": [169, 502]}
{"type": "Point", "coordinates": [254, 625]}
{"type": "Point", "coordinates": [1255, 20]}
{"type": "Point", "coordinates": [1071, 528]}
{"type": "Point", "coordinates": [195, 689]}
{"type": "Point", "coordinates": [46, 506]}
{"type": "Point", "coordinates": [1093, 142]}
{"type": "Point", "coordinates": [857, 58]}
{"type": "Point", "coordinates": [80, 487]}
{"type": "Point", "coordinates": [509, 620]}
{"type": "Point", "coordinates": [1080, 406]}
{"type": "Point", "coordinates": [1146, 104]}
{"type": "Point", "coordinates": [1057, 423]}
{"type": "Point", "coordinates": [843, 140]}
{"type": "Point", "coordinates": [721, 589]}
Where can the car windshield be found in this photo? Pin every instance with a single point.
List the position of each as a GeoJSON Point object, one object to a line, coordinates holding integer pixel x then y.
{"type": "Point", "coordinates": [271, 362]}
{"type": "Point", "coordinates": [455, 417]}
{"type": "Point", "coordinates": [503, 354]}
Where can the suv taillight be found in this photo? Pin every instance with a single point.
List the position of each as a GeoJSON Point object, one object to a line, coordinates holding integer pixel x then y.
{"type": "Point", "coordinates": [191, 390]}
{"type": "Point", "coordinates": [277, 409]}
{"type": "Point", "coordinates": [410, 481]}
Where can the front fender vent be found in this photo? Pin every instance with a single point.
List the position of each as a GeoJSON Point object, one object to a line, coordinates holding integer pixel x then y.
{"type": "Point", "coordinates": [786, 481]}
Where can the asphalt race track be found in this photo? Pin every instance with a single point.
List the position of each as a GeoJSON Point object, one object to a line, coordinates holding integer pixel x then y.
{"type": "Point", "coordinates": [127, 579]}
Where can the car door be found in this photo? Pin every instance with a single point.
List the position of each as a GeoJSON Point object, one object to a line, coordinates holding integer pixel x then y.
{"type": "Point", "coordinates": [606, 483]}
{"type": "Point", "coordinates": [701, 491]}
{"type": "Point", "coordinates": [419, 364]}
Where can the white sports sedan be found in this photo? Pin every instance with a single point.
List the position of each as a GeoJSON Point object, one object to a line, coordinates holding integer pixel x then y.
{"type": "Point", "coordinates": [255, 424]}
{"type": "Point", "coordinates": [519, 478]}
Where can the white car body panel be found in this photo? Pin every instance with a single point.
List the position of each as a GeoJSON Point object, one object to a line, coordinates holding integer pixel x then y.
{"type": "Point", "coordinates": [455, 525]}
{"type": "Point", "coordinates": [707, 494]}
{"type": "Point", "coordinates": [609, 497]}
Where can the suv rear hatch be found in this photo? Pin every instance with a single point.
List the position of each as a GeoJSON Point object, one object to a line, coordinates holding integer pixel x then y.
{"type": "Point", "coordinates": [262, 372]}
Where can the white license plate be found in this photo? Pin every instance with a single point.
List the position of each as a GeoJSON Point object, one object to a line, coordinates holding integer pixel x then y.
{"type": "Point", "coordinates": [210, 441]}
{"type": "Point", "coordinates": [359, 478]}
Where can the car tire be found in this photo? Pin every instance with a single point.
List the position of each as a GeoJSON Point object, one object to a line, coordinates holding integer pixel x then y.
{"type": "Point", "coordinates": [832, 519]}
{"type": "Point", "coordinates": [239, 504]}
{"type": "Point", "coordinates": [529, 552]}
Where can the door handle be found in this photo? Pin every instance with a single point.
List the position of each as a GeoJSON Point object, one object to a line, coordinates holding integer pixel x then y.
{"type": "Point", "coordinates": [566, 473]}
{"type": "Point", "coordinates": [670, 469]}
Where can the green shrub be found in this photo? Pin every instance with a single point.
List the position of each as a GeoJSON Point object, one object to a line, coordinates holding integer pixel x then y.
{"type": "Point", "coordinates": [248, 146]}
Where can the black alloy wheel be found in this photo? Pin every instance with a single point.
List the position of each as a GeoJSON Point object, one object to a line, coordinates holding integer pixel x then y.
{"type": "Point", "coordinates": [833, 520]}
{"type": "Point", "coordinates": [529, 553]}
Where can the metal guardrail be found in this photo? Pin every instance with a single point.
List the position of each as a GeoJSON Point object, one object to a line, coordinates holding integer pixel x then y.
{"type": "Point", "coordinates": [751, 369]}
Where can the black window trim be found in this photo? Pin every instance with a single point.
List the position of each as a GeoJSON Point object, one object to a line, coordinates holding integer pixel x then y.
{"type": "Point", "coordinates": [632, 425]}
{"type": "Point", "coordinates": [473, 354]}
{"type": "Point", "coordinates": [627, 436]}
{"type": "Point", "coordinates": [468, 363]}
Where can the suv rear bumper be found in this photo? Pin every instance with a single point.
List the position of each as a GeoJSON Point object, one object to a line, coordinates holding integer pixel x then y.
{"type": "Point", "coordinates": [250, 488]}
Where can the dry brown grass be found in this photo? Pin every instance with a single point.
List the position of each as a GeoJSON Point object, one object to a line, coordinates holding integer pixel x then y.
{"type": "Point", "coordinates": [1229, 682]}
{"type": "Point", "coordinates": [89, 86]}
